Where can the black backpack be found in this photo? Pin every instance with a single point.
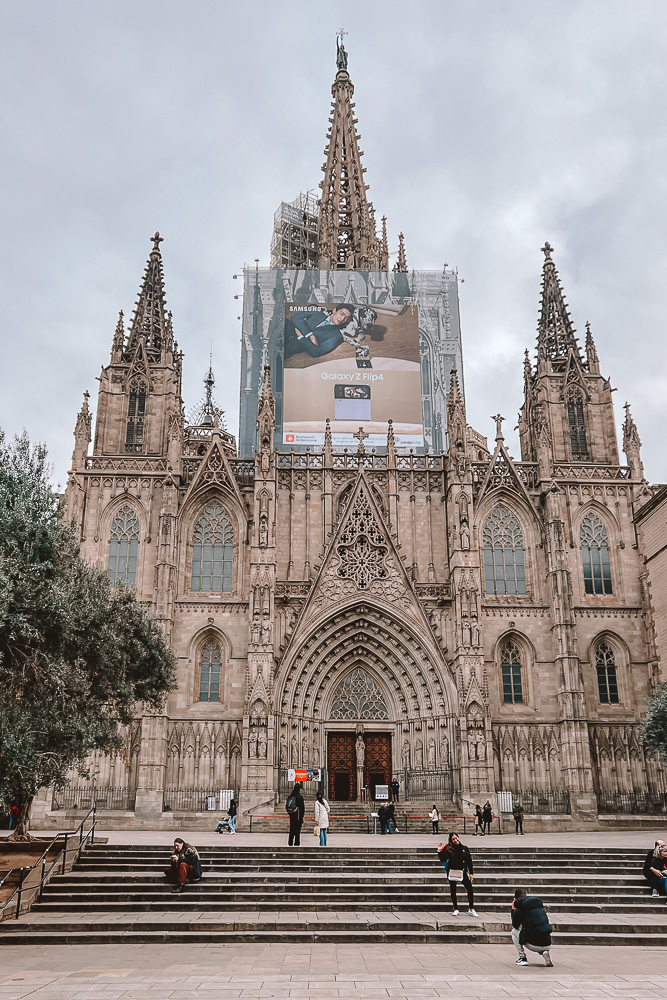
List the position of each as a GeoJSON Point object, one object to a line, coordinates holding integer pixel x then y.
{"type": "Point", "coordinates": [292, 805]}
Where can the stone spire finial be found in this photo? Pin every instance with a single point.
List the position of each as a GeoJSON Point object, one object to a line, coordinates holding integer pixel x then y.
{"type": "Point", "coordinates": [119, 335]}
{"type": "Point", "coordinates": [401, 262]}
{"type": "Point", "coordinates": [632, 445]}
{"type": "Point", "coordinates": [82, 434]}
{"type": "Point", "coordinates": [361, 436]}
{"type": "Point", "coordinates": [391, 444]}
{"type": "Point", "coordinates": [149, 321]}
{"type": "Point", "coordinates": [591, 352]}
{"type": "Point", "coordinates": [555, 333]}
{"type": "Point", "coordinates": [328, 446]}
{"type": "Point", "coordinates": [527, 367]}
{"type": "Point", "coordinates": [346, 238]}
{"type": "Point", "coordinates": [385, 241]}
{"type": "Point", "coordinates": [209, 406]}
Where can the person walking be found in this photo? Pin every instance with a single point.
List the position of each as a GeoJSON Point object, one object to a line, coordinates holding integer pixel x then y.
{"type": "Point", "coordinates": [457, 861]}
{"type": "Point", "coordinates": [434, 817]}
{"type": "Point", "coordinates": [651, 876]}
{"type": "Point", "coordinates": [487, 816]}
{"type": "Point", "coordinates": [296, 809]}
{"type": "Point", "coordinates": [517, 813]}
{"type": "Point", "coordinates": [479, 821]}
{"type": "Point", "coordinates": [322, 810]}
{"type": "Point", "coordinates": [232, 815]}
{"type": "Point", "coordinates": [185, 865]}
{"type": "Point", "coordinates": [530, 927]}
{"type": "Point", "coordinates": [395, 788]}
{"type": "Point", "coordinates": [390, 817]}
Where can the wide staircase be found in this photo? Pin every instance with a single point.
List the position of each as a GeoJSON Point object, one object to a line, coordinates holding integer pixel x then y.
{"type": "Point", "coordinates": [372, 894]}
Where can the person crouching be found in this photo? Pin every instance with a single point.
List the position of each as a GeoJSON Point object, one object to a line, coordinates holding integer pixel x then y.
{"type": "Point", "coordinates": [185, 865]}
{"type": "Point", "coordinates": [530, 927]}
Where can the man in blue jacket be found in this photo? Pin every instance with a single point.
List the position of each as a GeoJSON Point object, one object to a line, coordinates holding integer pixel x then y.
{"type": "Point", "coordinates": [316, 333]}
{"type": "Point", "coordinates": [530, 927]}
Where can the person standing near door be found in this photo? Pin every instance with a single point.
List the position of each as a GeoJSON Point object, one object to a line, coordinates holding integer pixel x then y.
{"type": "Point", "coordinates": [395, 789]}
{"type": "Point", "coordinates": [296, 809]}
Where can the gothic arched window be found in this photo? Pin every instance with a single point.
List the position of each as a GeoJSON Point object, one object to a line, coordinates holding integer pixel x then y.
{"type": "Point", "coordinates": [595, 555]}
{"type": "Point", "coordinates": [577, 425]}
{"type": "Point", "coordinates": [209, 671]}
{"type": "Point", "coordinates": [504, 568]}
{"type": "Point", "coordinates": [510, 663]}
{"type": "Point", "coordinates": [123, 547]}
{"type": "Point", "coordinates": [136, 412]}
{"type": "Point", "coordinates": [605, 664]}
{"type": "Point", "coordinates": [212, 552]}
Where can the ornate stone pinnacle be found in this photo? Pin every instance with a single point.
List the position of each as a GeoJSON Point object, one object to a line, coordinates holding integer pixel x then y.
{"type": "Point", "coordinates": [157, 239]}
{"type": "Point", "coordinates": [547, 250]}
{"type": "Point", "coordinates": [499, 426]}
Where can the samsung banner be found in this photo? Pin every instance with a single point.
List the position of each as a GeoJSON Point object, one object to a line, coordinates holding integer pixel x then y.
{"type": "Point", "coordinates": [355, 348]}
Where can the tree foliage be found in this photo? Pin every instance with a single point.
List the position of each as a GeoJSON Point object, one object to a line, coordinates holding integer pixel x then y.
{"type": "Point", "coordinates": [655, 726]}
{"type": "Point", "coordinates": [76, 656]}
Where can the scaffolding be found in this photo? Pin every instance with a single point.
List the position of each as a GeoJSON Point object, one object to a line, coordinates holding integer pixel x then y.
{"type": "Point", "coordinates": [294, 240]}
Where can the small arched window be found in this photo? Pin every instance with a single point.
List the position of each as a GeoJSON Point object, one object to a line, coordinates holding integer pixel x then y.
{"type": "Point", "coordinates": [209, 671]}
{"type": "Point", "coordinates": [123, 547]}
{"type": "Point", "coordinates": [136, 413]}
{"type": "Point", "coordinates": [504, 567]}
{"type": "Point", "coordinates": [212, 552]}
{"type": "Point", "coordinates": [605, 664]}
{"type": "Point", "coordinates": [510, 663]}
{"type": "Point", "coordinates": [595, 555]}
{"type": "Point", "coordinates": [577, 425]}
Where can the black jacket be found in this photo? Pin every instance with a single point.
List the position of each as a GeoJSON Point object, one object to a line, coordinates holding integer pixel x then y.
{"type": "Point", "coordinates": [300, 808]}
{"type": "Point", "coordinates": [529, 914]}
{"type": "Point", "coordinates": [190, 857]}
{"type": "Point", "coordinates": [457, 858]}
{"type": "Point", "coordinates": [648, 864]}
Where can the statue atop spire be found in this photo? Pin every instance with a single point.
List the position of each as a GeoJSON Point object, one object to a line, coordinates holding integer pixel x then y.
{"type": "Point", "coordinates": [347, 237]}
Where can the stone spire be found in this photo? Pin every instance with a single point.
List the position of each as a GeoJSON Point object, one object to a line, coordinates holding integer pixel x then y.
{"type": "Point", "coordinates": [385, 241]}
{"type": "Point", "coordinates": [555, 333]}
{"type": "Point", "coordinates": [149, 322]}
{"type": "Point", "coordinates": [347, 237]}
{"type": "Point", "coordinates": [401, 262]}
{"type": "Point", "coordinates": [118, 338]}
{"type": "Point", "coordinates": [82, 434]}
{"type": "Point", "coordinates": [591, 352]}
{"type": "Point", "coordinates": [266, 420]}
{"type": "Point", "coordinates": [632, 445]}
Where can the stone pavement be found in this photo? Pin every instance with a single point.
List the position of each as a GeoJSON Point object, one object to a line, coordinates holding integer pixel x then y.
{"type": "Point", "coordinates": [327, 972]}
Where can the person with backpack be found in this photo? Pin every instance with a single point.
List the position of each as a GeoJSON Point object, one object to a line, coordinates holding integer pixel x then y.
{"type": "Point", "coordinates": [296, 809]}
{"type": "Point", "coordinates": [517, 813]}
{"type": "Point", "coordinates": [530, 927]}
{"type": "Point", "coordinates": [457, 861]}
{"type": "Point", "coordinates": [487, 816]}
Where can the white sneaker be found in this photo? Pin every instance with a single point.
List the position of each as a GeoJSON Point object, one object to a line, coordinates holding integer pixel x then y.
{"type": "Point", "coordinates": [547, 959]}
{"type": "Point", "coordinates": [455, 913]}
{"type": "Point", "coordinates": [521, 961]}
{"type": "Point", "coordinates": [473, 913]}
{"type": "Point", "coordinates": [655, 893]}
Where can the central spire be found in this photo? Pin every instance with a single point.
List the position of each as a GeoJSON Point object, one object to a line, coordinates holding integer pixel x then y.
{"type": "Point", "coordinates": [347, 235]}
{"type": "Point", "coordinates": [555, 333]}
{"type": "Point", "coordinates": [150, 322]}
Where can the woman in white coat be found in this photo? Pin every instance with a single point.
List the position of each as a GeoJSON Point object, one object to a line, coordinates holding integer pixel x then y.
{"type": "Point", "coordinates": [322, 810]}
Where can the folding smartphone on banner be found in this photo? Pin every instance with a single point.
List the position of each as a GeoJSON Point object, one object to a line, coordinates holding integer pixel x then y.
{"type": "Point", "coordinates": [352, 402]}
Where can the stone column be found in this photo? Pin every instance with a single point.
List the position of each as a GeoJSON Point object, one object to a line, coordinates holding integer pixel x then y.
{"type": "Point", "coordinates": [152, 767]}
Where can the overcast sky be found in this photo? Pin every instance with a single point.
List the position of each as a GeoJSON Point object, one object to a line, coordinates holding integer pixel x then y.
{"type": "Point", "coordinates": [488, 128]}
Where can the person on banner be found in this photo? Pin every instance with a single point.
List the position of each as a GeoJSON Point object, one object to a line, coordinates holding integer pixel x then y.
{"type": "Point", "coordinates": [530, 927]}
{"type": "Point", "coordinates": [296, 808]}
{"type": "Point", "coordinates": [457, 862]}
{"type": "Point", "coordinates": [184, 866]}
{"type": "Point", "coordinates": [322, 810]}
{"type": "Point", "coordinates": [316, 333]}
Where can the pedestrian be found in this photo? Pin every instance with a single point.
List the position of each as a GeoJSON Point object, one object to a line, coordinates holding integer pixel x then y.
{"type": "Point", "coordinates": [517, 813]}
{"type": "Point", "coordinates": [457, 861]}
{"type": "Point", "coordinates": [487, 816]}
{"type": "Point", "coordinates": [390, 817]}
{"type": "Point", "coordinates": [650, 876]}
{"type": "Point", "coordinates": [13, 816]}
{"type": "Point", "coordinates": [530, 927]}
{"type": "Point", "coordinates": [232, 816]}
{"type": "Point", "coordinates": [322, 810]}
{"type": "Point", "coordinates": [479, 821]}
{"type": "Point", "coordinates": [395, 787]}
{"type": "Point", "coordinates": [434, 817]}
{"type": "Point", "coordinates": [296, 808]}
{"type": "Point", "coordinates": [658, 870]}
{"type": "Point", "coordinates": [184, 866]}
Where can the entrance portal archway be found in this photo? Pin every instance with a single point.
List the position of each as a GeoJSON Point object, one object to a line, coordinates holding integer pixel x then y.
{"type": "Point", "coordinates": [342, 764]}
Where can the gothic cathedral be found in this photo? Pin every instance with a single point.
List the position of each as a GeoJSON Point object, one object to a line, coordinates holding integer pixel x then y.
{"type": "Point", "coordinates": [475, 623]}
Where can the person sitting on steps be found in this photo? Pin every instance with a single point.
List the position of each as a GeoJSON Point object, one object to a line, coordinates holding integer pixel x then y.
{"type": "Point", "coordinates": [659, 872]}
{"type": "Point", "coordinates": [185, 865]}
{"type": "Point", "coordinates": [651, 877]}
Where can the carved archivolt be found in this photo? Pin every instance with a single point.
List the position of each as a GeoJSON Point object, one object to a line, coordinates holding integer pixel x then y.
{"type": "Point", "coordinates": [358, 697]}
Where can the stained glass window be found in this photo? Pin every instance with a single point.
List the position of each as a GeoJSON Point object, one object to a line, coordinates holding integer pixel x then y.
{"type": "Point", "coordinates": [510, 661]}
{"type": "Point", "coordinates": [209, 672]}
{"type": "Point", "coordinates": [136, 412]}
{"type": "Point", "coordinates": [504, 568]}
{"type": "Point", "coordinates": [606, 670]}
{"type": "Point", "coordinates": [123, 547]}
{"type": "Point", "coordinates": [595, 555]}
{"type": "Point", "coordinates": [212, 552]}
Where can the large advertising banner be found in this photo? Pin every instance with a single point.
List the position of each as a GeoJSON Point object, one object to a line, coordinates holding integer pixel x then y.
{"type": "Point", "coordinates": [355, 366]}
{"type": "Point", "coordinates": [356, 348]}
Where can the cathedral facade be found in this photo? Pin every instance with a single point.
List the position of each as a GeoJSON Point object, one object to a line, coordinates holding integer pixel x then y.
{"type": "Point", "coordinates": [468, 622]}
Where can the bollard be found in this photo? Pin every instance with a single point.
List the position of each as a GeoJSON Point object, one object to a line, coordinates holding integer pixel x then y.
{"type": "Point", "coordinates": [65, 855]}
{"type": "Point", "coordinates": [20, 892]}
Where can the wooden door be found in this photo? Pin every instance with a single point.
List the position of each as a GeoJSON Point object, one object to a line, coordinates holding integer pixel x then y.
{"type": "Point", "coordinates": [377, 761]}
{"type": "Point", "coordinates": [341, 766]}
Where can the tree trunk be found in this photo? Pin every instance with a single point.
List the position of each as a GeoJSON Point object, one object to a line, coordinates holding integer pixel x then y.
{"type": "Point", "coordinates": [20, 831]}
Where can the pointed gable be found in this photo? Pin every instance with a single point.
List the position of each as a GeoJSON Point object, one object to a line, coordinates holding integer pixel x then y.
{"type": "Point", "coordinates": [215, 471]}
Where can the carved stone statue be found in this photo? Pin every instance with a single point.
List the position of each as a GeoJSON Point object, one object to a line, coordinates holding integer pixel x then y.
{"type": "Point", "coordinates": [316, 756]}
{"type": "Point", "coordinates": [360, 750]}
{"type": "Point", "coordinates": [295, 751]}
{"type": "Point", "coordinates": [266, 631]}
{"type": "Point", "coordinates": [261, 745]}
{"type": "Point", "coordinates": [252, 744]}
{"type": "Point", "coordinates": [405, 754]}
{"type": "Point", "coordinates": [466, 632]}
{"type": "Point", "coordinates": [475, 632]}
{"type": "Point", "coordinates": [465, 536]}
{"type": "Point", "coordinates": [431, 752]}
{"type": "Point", "coordinates": [444, 752]}
{"type": "Point", "coordinates": [341, 55]}
{"type": "Point", "coordinates": [283, 749]}
{"type": "Point", "coordinates": [263, 530]}
{"type": "Point", "coordinates": [472, 755]}
{"type": "Point", "coordinates": [480, 743]}
{"type": "Point", "coordinates": [419, 754]}
{"type": "Point", "coordinates": [256, 631]}
{"type": "Point", "coordinates": [304, 752]}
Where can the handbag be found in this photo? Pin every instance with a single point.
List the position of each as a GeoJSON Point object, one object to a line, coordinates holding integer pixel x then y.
{"type": "Point", "coordinates": [316, 830]}
{"type": "Point", "coordinates": [455, 875]}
